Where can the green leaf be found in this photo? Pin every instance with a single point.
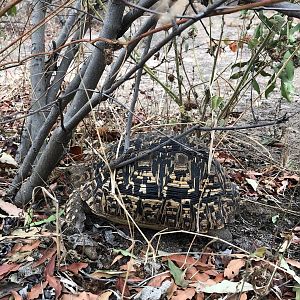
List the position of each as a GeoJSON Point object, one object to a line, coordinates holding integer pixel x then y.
{"type": "Point", "coordinates": [124, 253]}
{"type": "Point", "coordinates": [12, 11]}
{"type": "Point", "coordinates": [287, 89]}
{"type": "Point", "coordinates": [296, 289]}
{"type": "Point", "coordinates": [264, 73]}
{"type": "Point", "coordinates": [289, 68]}
{"type": "Point", "coordinates": [271, 86]}
{"type": "Point", "coordinates": [253, 43]}
{"type": "Point", "coordinates": [240, 64]}
{"type": "Point", "coordinates": [237, 75]}
{"type": "Point", "coordinates": [258, 32]}
{"type": "Point", "coordinates": [177, 274]}
{"type": "Point", "coordinates": [255, 86]}
{"type": "Point", "coordinates": [216, 102]}
{"type": "Point", "coordinates": [295, 29]}
{"type": "Point", "coordinates": [277, 22]}
{"type": "Point", "coordinates": [260, 252]}
{"type": "Point", "coordinates": [28, 217]}
{"type": "Point", "coordinates": [50, 219]}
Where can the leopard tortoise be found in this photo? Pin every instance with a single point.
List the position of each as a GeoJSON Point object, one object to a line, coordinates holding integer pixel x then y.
{"type": "Point", "coordinates": [170, 186]}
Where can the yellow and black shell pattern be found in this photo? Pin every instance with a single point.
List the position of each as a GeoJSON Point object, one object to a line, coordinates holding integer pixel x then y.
{"type": "Point", "coordinates": [172, 187]}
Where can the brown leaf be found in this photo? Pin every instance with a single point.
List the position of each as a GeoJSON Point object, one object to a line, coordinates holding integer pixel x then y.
{"type": "Point", "coordinates": [117, 258]}
{"type": "Point", "coordinates": [108, 135]}
{"type": "Point", "coordinates": [16, 248]}
{"type": "Point", "coordinates": [184, 294]}
{"type": "Point", "coordinates": [11, 209]}
{"type": "Point", "coordinates": [49, 270]}
{"type": "Point", "coordinates": [122, 286]}
{"type": "Point", "coordinates": [74, 267]}
{"type": "Point", "coordinates": [129, 266]}
{"type": "Point", "coordinates": [53, 281]}
{"type": "Point", "coordinates": [233, 268]}
{"type": "Point", "coordinates": [7, 268]}
{"type": "Point", "coordinates": [219, 278]}
{"type": "Point", "coordinates": [293, 263]}
{"type": "Point", "coordinates": [83, 296]}
{"type": "Point", "coordinates": [183, 260]}
{"type": "Point", "coordinates": [293, 177]}
{"type": "Point", "coordinates": [193, 274]}
{"type": "Point", "coordinates": [157, 280]}
{"type": "Point", "coordinates": [105, 296]}
{"type": "Point", "coordinates": [46, 255]}
{"type": "Point", "coordinates": [211, 272]}
{"type": "Point", "coordinates": [30, 246]}
{"type": "Point", "coordinates": [76, 153]}
{"type": "Point", "coordinates": [199, 296]}
{"type": "Point", "coordinates": [16, 295]}
{"type": "Point", "coordinates": [172, 289]}
{"type": "Point", "coordinates": [233, 46]}
{"type": "Point", "coordinates": [36, 290]}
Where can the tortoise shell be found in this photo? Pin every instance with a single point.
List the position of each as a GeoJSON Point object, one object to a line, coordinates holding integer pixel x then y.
{"type": "Point", "coordinates": [171, 187]}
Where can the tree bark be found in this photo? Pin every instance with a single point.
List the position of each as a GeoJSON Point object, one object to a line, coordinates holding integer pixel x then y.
{"type": "Point", "coordinates": [60, 137]}
{"type": "Point", "coordinates": [37, 78]}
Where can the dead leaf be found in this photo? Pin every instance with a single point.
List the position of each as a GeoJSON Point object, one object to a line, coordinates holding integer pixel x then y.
{"type": "Point", "coordinates": [30, 246]}
{"type": "Point", "coordinates": [233, 46]}
{"type": "Point", "coordinates": [122, 286]}
{"type": "Point", "coordinates": [184, 294]}
{"type": "Point", "coordinates": [108, 135]}
{"type": "Point", "coordinates": [107, 274]}
{"type": "Point", "coordinates": [294, 177]}
{"type": "Point", "coordinates": [76, 153]}
{"type": "Point", "coordinates": [253, 183]}
{"type": "Point", "coordinates": [16, 295]}
{"type": "Point", "coordinates": [84, 296]}
{"type": "Point", "coordinates": [219, 278]}
{"type": "Point", "coordinates": [53, 281]}
{"type": "Point", "coordinates": [49, 270]}
{"type": "Point", "coordinates": [105, 296]}
{"type": "Point", "coordinates": [7, 268]}
{"type": "Point", "coordinates": [282, 188]}
{"type": "Point", "coordinates": [74, 267]}
{"type": "Point", "coordinates": [183, 260]}
{"type": "Point", "coordinates": [293, 263]}
{"type": "Point", "coordinates": [233, 268]}
{"type": "Point", "coordinates": [199, 296]}
{"type": "Point", "coordinates": [193, 274]}
{"type": "Point", "coordinates": [117, 258]}
{"type": "Point", "coordinates": [200, 286]}
{"type": "Point", "coordinates": [172, 289]}
{"type": "Point", "coordinates": [227, 286]}
{"type": "Point", "coordinates": [211, 272]}
{"type": "Point", "coordinates": [46, 255]}
{"type": "Point", "coordinates": [157, 280]}
{"type": "Point", "coordinates": [11, 209]}
{"type": "Point", "coordinates": [37, 290]}
{"type": "Point", "coordinates": [129, 266]}
{"type": "Point", "coordinates": [7, 160]}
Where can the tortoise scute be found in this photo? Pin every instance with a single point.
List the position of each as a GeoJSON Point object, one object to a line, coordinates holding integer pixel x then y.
{"type": "Point", "coordinates": [170, 188]}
